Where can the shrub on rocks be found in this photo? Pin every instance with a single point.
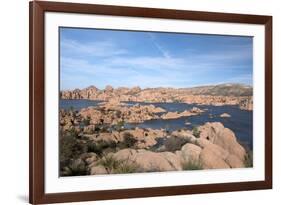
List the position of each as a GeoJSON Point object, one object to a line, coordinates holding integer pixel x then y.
{"type": "Point", "coordinates": [196, 132]}
{"type": "Point", "coordinates": [129, 141]}
{"type": "Point", "coordinates": [117, 166]}
{"type": "Point", "coordinates": [174, 143]}
{"type": "Point", "coordinates": [192, 165]}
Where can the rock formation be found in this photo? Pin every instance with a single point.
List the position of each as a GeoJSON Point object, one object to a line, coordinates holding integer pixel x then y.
{"type": "Point", "coordinates": [216, 148]}
{"type": "Point", "coordinates": [95, 140]}
{"type": "Point", "coordinates": [226, 94]}
{"type": "Point", "coordinates": [225, 115]}
{"type": "Point", "coordinates": [186, 113]}
{"type": "Point", "coordinates": [114, 112]}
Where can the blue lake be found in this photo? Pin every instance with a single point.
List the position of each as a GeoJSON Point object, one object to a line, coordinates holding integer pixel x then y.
{"type": "Point", "coordinates": [77, 104]}
{"type": "Point", "coordinates": [240, 122]}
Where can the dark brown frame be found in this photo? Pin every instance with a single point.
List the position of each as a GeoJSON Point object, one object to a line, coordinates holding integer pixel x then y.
{"type": "Point", "coordinates": [36, 100]}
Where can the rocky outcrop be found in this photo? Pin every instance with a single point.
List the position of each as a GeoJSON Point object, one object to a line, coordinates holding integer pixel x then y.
{"type": "Point", "coordinates": [106, 149]}
{"type": "Point", "coordinates": [186, 113]}
{"type": "Point", "coordinates": [108, 88]}
{"type": "Point", "coordinates": [143, 138]}
{"type": "Point", "coordinates": [97, 170]}
{"type": "Point", "coordinates": [185, 134]}
{"type": "Point", "coordinates": [246, 103]}
{"type": "Point", "coordinates": [207, 151]}
{"type": "Point", "coordinates": [228, 89]}
{"type": "Point", "coordinates": [175, 115]}
{"type": "Point", "coordinates": [225, 115]}
{"type": "Point", "coordinates": [150, 161]}
{"type": "Point", "coordinates": [135, 90]}
{"type": "Point", "coordinates": [219, 100]}
{"type": "Point", "coordinates": [69, 120]}
{"type": "Point", "coordinates": [189, 152]}
{"type": "Point", "coordinates": [228, 94]}
{"type": "Point", "coordinates": [224, 137]}
{"type": "Point", "coordinates": [211, 159]}
{"type": "Point", "coordinates": [234, 162]}
{"type": "Point", "coordinates": [217, 134]}
{"type": "Point", "coordinates": [113, 103]}
{"type": "Point", "coordinates": [114, 112]}
{"type": "Point", "coordinates": [216, 147]}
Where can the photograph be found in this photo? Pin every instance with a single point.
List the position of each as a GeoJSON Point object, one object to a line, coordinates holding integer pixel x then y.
{"type": "Point", "coordinates": [139, 101]}
{"type": "Point", "coordinates": [145, 101]}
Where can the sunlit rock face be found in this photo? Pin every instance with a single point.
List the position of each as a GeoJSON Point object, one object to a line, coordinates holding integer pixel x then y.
{"type": "Point", "coordinates": [225, 94]}
{"type": "Point", "coordinates": [95, 140]}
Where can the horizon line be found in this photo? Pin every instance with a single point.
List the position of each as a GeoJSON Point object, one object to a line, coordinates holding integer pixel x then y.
{"type": "Point", "coordinates": [168, 87]}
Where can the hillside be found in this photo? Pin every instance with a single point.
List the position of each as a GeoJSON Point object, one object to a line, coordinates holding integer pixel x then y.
{"type": "Point", "coordinates": [224, 94]}
{"type": "Point", "coordinates": [222, 90]}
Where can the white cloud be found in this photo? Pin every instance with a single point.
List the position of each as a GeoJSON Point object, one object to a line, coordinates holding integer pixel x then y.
{"type": "Point", "coordinates": [98, 49]}
{"type": "Point", "coordinates": [160, 48]}
{"type": "Point", "coordinates": [148, 62]}
{"type": "Point", "coordinates": [84, 67]}
{"type": "Point", "coordinates": [103, 62]}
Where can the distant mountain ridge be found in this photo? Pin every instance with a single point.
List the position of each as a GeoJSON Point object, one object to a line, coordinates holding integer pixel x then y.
{"type": "Point", "coordinates": [224, 94]}
{"type": "Point", "coordinates": [229, 89]}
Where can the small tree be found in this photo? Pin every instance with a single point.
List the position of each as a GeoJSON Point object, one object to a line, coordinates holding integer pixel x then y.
{"type": "Point", "coordinates": [196, 132]}
{"type": "Point", "coordinates": [192, 164]}
{"type": "Point", "coordinates": [248, 160]}
{"type": "Point", "coordinates": [86, 121]}
{"type": "Point", "coordinates": [129, 140]}
{"type": "Point", "coordinates": [119, 126]}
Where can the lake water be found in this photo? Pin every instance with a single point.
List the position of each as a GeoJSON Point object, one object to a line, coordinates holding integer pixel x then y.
{"type": "Point", "coordinates": [77, 104]}
{"type": "Point", "coordinates": [240, 122]}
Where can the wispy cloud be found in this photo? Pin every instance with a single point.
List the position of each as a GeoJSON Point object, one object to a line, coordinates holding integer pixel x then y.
{"type": "Point", "coordinates": [84, 67]}
{"type": "Point", "coordinates": [163, 51]}
{"type": "Point", "coordinates": [149, 62]}
{"type": "Point", "coordinates": [98, 49]}
{"type": "Point", "coordinates": [88, 61]}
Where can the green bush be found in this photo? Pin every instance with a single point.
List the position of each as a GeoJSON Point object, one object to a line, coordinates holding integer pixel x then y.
{"type": "Point", "coordinates": [71, 132]}
{"type": "Point", "coordinates": [118, 113]}
{"type": "Point", "coordinates": [174, 143]}
{"type": "Point", "coordinates": [94, 147]}
{"type": "Point", "coordinates": [125, 167]}
{"type": "Point", "coordinates": [69, 146]}
{"type": "Point", "coordinates": [119, 126]}
{"type": "Point", "coordinates": [129, 141]}
{"type": "Point", "coordinates": [115, 166]}
{"type": "Point", "coordinates": [99, 146]}
{"type": "Point", "coordinates": [192, 165]}
{"type": "Point", "coordinates": [86, 121]}
{"type": "Point", "coordinates": [78, 168]}
{"type": "Point", "coordinates": [248, 160]}
{"type": "Point", "coordinates": [75, 168]}
{"type": "Point", "coordinates": [196, 132]}
{"type": "Point", "coordinates": [109, 163]}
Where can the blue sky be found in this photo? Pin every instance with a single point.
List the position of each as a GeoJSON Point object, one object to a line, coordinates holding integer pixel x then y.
{"type": "Point", "coordinates": [152, 59]}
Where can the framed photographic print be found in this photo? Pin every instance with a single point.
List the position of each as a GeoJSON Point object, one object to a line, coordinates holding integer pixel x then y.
{"type": "Point", "coordinates": [139, 102]}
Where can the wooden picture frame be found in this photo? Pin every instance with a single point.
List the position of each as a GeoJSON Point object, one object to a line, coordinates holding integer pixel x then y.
{"type": "Point", "coordinates": [37, 111]}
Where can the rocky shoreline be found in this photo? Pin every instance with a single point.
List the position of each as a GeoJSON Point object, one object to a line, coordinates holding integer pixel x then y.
{"type": "Point", "coordinates": [95, 141]}
{"type": "Point", "coordinates": [208, 95]}
{"type": "Point", "coordinates": [116, 113]}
